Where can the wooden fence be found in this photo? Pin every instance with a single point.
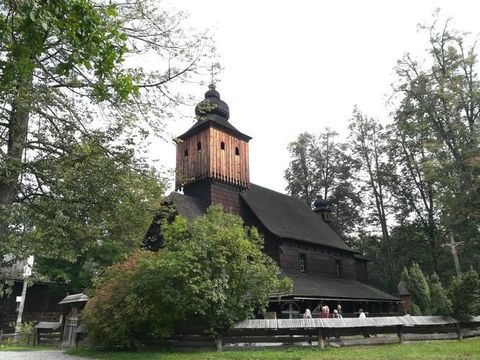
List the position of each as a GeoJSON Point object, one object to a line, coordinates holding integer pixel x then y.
{"type": "Point", "coordinates": [9, 338]}
{"type": "Point", "coordinates": [335, 332]}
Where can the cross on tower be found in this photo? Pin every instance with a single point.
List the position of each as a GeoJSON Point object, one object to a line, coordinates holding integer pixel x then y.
{"type": "Point", "coordinates": [214, 70]}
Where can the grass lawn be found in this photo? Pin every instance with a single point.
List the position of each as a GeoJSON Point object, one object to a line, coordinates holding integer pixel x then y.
{"type": "Point", "coordinates": [451, 349]}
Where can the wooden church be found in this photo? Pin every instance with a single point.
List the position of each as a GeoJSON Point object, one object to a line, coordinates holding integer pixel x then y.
{"type": "Point", "coordinates": [213, 168]}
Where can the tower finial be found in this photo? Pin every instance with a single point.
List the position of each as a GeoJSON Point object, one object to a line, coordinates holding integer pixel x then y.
{"type": "Point", "coordinates": [214, 70]}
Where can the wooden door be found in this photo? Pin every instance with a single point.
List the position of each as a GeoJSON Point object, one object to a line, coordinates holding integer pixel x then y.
{"type": "Point", "coordinates": [71, 324]}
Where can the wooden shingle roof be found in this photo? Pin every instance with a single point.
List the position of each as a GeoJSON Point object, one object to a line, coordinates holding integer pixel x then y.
{"type": "Point", "coordinates": [290, 218]}
{"type": "Point", "coordinates": [334, 288]}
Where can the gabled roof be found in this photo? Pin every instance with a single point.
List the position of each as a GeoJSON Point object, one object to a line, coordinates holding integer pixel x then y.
{"type": "Point", "coordinates": [339, 289]}
{"type": "Point", "coordinates": [74, 298]}
{"type": "Point", "coordinates": [216, 121]}
{"type": "Point", "coordinates": [290, 218]}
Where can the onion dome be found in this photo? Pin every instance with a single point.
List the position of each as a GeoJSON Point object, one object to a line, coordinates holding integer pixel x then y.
{"type": "Point", "coordinates": [322, 206]}
{"type": "Point", "coordinates": [212, 105]}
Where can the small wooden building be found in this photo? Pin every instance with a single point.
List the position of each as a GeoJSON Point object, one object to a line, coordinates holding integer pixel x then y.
{"type": "Point", "coordinates": [213, 168]}
{"type": "Point", "coordinates": [72, 328]}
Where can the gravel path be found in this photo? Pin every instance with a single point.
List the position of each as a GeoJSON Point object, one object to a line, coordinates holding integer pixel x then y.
{"type": "Point", "coordinates": [37, 355]}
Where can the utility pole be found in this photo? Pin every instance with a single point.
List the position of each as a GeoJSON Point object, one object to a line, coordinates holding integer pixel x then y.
{"type": "Point", "coordinates": [27, 272]}
{"type": "Point", "coordinates": [453, 247]}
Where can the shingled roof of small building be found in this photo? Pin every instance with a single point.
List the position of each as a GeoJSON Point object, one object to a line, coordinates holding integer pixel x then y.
{"type": "Point", "coordinates": [290, 218]}
{"type": "Point", "coordinates": [334, 288]}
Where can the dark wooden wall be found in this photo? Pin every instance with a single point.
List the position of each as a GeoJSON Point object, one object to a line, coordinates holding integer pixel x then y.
{"type": "Point", "coordinates": [362, 272]}
{"type": "Point", "coordinates": [210, 192]}
{"type": "Point", "coordinates": [41, 304]}
{"type": "Point", "coordinates": [319, 260]}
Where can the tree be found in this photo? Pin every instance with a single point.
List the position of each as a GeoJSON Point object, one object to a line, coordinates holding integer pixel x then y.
{"type": "Point", "coordinates": [321, 166]}
{"type": "Point", "coordinates": [438, 117]}
{"type": "Point", "coordinates": [414, 187]}
{"type": "Point", "coordinates": [417, 285]}
{"type": "Point", "coordinates": [94, 208]}
{"type": "Point", "coordinates": [465, 295]}
{"type": "Point", "coordinates": [64, 66]}
{"type": "Point", "coordinates": [440, 302]}
{"type": "Point", "coordinates": [368, 144]}
{"type": "Point", "coordinates": [209, 274]}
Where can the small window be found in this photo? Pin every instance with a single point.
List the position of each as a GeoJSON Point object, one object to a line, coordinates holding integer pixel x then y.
{"type": "Point", "coordinates": [222, 145]}
{"type": "Point", "coordinates": [185, 153]}
{"type": "Point", "coordinates": [237, 151]}
{"type": "Point", "coordinates": [338, 268]}
{"type": "Point", "coordinates": [302, 263]}
{"type": "Point", "coordinates": [199, 146]}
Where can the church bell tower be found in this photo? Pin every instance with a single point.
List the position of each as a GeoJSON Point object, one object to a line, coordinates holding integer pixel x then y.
{"type": "Point", "coordinates": [212, 156]}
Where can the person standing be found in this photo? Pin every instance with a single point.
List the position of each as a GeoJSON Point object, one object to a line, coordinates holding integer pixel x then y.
{"type": "Point", "coordinates": [308, 314]}
{"type": "Point", "coordinates": [361, 314]}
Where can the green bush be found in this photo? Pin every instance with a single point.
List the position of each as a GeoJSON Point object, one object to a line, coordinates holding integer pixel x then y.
{"type": "Point", "coordinates": [418, 288]}
{"type": "Point", "coordinates": [465, 295]}
{"type": "Point", "coordinates": [211, 272]}
{"type": "Point", "coordinates": [109, 315]}
{"type": "Point", "coordinates": [440, 303]}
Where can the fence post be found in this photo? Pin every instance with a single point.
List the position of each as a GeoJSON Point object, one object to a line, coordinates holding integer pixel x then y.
{"type": "Point", "coordinates": [219, 342]}
{"type": "Point", "coordinates": [1, 337]}
{"type": "Point", "coordinates": [400, 334]}
{"type": "Point", "coordinates": [459, 331]}
{"type": "Point", "coordinates": [321, 338]}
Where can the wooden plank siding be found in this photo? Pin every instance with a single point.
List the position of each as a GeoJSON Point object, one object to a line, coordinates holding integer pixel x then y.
{"type": "Point", "coordinates": [319, 260]}
{"type": "Point", "coordinates": [211, 161]}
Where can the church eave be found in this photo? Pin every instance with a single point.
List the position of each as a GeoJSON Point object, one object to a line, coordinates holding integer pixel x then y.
{"type": "Point", "coordinates": [205, 124]}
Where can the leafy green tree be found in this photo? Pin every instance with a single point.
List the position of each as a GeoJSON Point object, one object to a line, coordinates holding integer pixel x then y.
{"type": "Point", "coordinates": [67, 65]}
{"type": "Point", "coordinates": [94, 207]}
{"type": "Point", "coordinates": [208, 274]}
{"type": "Point", "coordinates": [414, 187]}
{"type": "Point", "coordinates": [368, 146]}
{"type": "Point", "coordinates": [465, 295]}
{"type": "Point", "coordinates": [437, 119]}
{"type": "Point", "coordinates": [321, 166]}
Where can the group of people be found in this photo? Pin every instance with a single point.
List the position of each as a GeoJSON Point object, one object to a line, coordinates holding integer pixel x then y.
{"type": "Point", "coordinates": [324, 312]}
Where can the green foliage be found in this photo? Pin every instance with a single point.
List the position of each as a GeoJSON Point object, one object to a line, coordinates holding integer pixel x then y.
{"type": "Point", "coordinates": [209, 274]}
{"type": "Point", "coordinates": [26, 333]}
{"type": "Point", "coordinates": [440, 302]}
{"type": "Point", "coordinates": [435, 135]}
{"type": "Point", "coordinates": [321, 166]}
{"type": "Point", "coordinates": [66, 78]}
{"type": "Point", "coordinates": [368, 148]}
{"type": "Point", "coordinates": [417, 285]}
{"type": "Point", "coordinates": [465, 295]}
{"type": "Point", "coordinates": [113, 315]}
{"type": "Point", "coordinates": [95, 207]}
{"type": "Point", "coordinates": [429, 297]}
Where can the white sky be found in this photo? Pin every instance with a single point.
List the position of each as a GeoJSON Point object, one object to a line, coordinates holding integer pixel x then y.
{"type": "Point", "coordinates": [294, 66]}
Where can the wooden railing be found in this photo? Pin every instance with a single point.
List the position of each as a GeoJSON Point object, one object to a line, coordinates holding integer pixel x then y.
{"type": "Point", "coordinates": [340, 332]}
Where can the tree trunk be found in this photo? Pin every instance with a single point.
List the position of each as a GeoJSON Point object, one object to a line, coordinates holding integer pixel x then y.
{"type": "Point", "coordinates": [17, 138]}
